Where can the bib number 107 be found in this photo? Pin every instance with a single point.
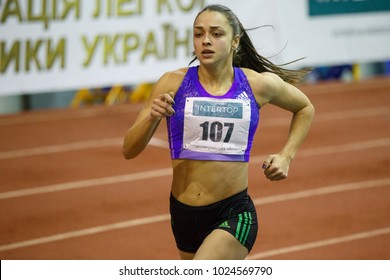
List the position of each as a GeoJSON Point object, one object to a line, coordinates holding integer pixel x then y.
{"type": "Point", "coordinates": [214, 131]}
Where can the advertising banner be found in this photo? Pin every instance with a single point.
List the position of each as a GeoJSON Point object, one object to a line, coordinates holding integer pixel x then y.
{"type": "Point", "coordinates": [54, 45]}
{"type": "Point", "coordinates": [48, 45]}
{"type": "Point", "coordinates": [333, 32]}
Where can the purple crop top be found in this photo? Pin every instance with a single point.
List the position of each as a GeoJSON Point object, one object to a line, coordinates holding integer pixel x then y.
{"type": "Point", "coordinates": [207, 127]}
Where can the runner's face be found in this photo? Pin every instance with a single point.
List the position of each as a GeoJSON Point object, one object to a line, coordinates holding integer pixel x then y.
{"type": "Point", "coordinates": [213, 38]}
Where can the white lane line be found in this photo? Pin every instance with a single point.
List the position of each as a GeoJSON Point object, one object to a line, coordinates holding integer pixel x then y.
{"type": "Point", "coordinates": [91, 144]}
{"type": "Point", "coordinates": [156, 142]}
{"type": "Point", "coordinates": [343, 148]}
{"type": "Point", "coordinates": [88, 183]}
{"type": "Point", "coordinates": [88, 231]}
{"type": "Point", "coordinates": [371, 86]}
{"type": "Point", "coordinates": [167, 171]}
{"type": "Point", "coordinates": [350, 147]}
{"type": "Point", "coordinates": [323, 191]}
{"type": "Point", "coordinates": [333, 116]}
{"type": "Point", "coordinates": [352, 114]}
{"type": "Point", "coordinates": [63, 115]}
{"type": "Point", "coordinates": [166, 217]}
{"type": "Point", "coordinates": [318, 244]}
{"type": "Point", "coordinates": [61, 148]}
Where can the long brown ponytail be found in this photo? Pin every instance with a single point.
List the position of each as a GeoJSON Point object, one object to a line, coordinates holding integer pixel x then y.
{"type": "Point", "coordinates": [246, 55]}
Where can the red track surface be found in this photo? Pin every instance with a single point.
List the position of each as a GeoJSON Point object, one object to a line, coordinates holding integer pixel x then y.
{"type": "Point", "coordinates": [67, 193]}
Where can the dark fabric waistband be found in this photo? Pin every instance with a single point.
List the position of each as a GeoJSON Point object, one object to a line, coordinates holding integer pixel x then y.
{"type": "Point", "coordinates": [217, 204]}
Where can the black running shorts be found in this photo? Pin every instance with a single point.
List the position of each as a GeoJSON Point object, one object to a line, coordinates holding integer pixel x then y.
{"type": "Point", "coordinates": [192, 224]}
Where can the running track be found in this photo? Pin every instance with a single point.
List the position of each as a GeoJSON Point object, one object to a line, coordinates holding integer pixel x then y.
{"type": "Point", "coordinates": [67, 193]}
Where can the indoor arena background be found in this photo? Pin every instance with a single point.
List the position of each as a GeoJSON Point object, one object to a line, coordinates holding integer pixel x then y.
{"type": "Point", "coordinates": [66, 192]}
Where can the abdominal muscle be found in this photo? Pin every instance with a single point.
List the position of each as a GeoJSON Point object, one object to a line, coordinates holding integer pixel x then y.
{"type": "Point", "coordinates": [199, 183]}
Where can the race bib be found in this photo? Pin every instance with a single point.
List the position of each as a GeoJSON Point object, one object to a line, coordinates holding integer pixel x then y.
{"type": "Point", "coordinates": [216, 125]}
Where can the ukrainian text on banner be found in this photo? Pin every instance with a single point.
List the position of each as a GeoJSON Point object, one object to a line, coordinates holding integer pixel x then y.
{"type": "Point", "coordinates": [49, 45]}
{"type": "Point", "coordinates": [67, 44]}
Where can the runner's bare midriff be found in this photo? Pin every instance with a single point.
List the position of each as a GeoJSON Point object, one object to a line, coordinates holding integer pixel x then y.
{"type": "Point", "coordinates": [193, 184]}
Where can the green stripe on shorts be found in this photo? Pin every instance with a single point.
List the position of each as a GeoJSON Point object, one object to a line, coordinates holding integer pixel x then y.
{"type": "Point", "coordinates": [243, 227]}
